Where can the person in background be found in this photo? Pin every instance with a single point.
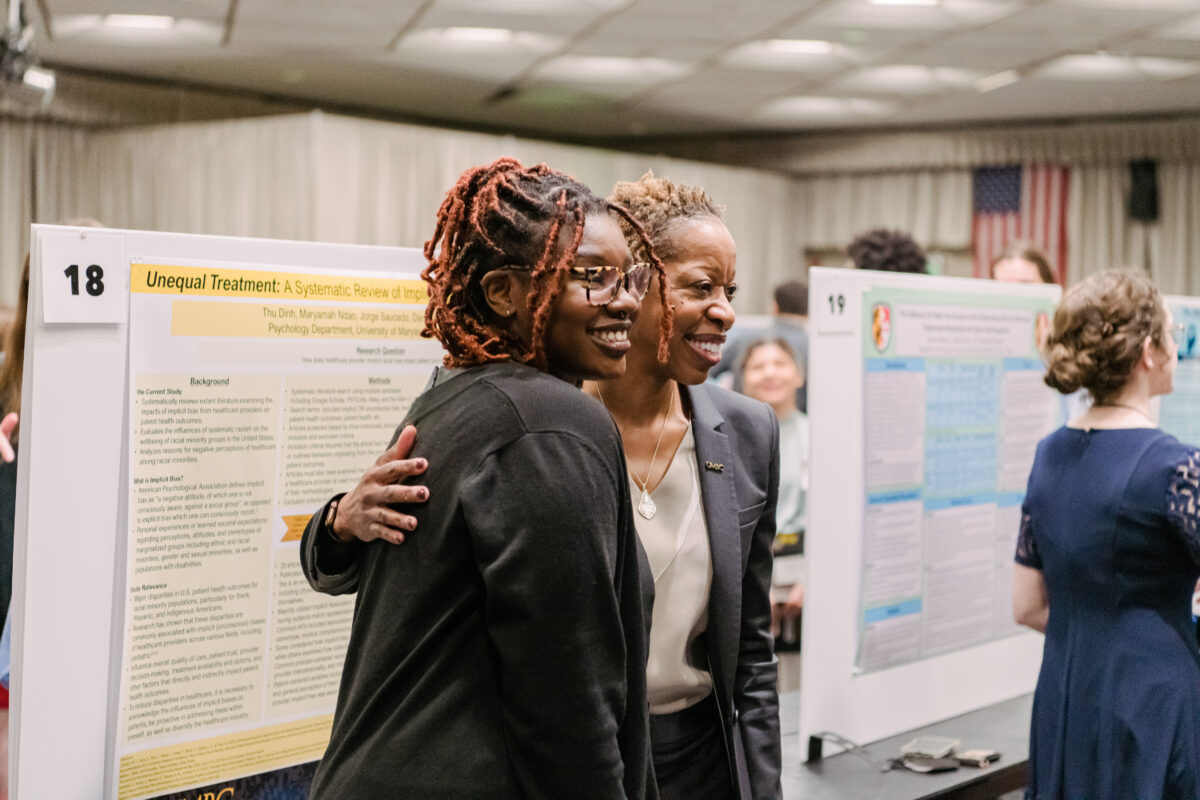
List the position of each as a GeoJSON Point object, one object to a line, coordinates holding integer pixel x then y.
{"type": "Point", "coordinates": [1022, 262]}
{"type": "Point", "coordinates": [11, 372]}
{"type": "Point", "coordinates": [503, 653]}
{"type": "Point", "coordinates": [1107, 557]}
{"type": "Point", "coordinates": [771, 373]}
{"type": "Point", "coordinates": [789, 323]}
{"type": "Point", "coordinates": [887, 251]}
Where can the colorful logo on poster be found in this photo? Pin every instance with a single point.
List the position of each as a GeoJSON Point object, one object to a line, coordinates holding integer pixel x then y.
{"type": "Point", "coordinates": [881, 325]}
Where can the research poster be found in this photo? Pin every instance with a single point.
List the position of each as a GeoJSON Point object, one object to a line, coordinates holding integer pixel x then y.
{"type": "Point", "coordinates": [1179, 411]}
{"type": "Point", "coordinates": [955, 406]}
{"type": "Point", "coordinates": [255, 394]}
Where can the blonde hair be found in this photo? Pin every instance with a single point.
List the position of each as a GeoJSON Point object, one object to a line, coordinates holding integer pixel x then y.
{"type": "Point", "coordinates": [1098, 332]}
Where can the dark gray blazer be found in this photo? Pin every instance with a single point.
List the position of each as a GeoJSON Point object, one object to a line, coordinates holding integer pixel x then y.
{"type": "Point", "coordinates": [737, 447]}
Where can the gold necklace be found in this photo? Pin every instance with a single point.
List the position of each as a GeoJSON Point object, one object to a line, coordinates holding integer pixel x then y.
{"type": "Point", "coordinates": [645, 504]}
{"type": "Point", "coordinates": [1124, 405]}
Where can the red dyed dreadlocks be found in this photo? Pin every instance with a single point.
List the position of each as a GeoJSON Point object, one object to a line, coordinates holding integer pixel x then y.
{"type": "Point", "coordinates": [506, 214]}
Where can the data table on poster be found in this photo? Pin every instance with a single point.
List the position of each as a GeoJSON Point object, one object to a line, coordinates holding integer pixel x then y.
{"type": "Point", "coordinates": [954, 408]}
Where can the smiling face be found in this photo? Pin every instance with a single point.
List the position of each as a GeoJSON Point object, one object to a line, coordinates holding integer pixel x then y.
{"type": "Point", "coordinates": [771, 375]}
{"type": "Point", "coordinates": [584, 341]}
{"type": "Point", "coordinates": [700, 285]}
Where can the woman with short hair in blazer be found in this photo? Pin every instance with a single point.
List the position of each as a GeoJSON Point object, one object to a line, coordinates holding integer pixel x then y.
{"type": "Point", "coordinates": [704, 477]}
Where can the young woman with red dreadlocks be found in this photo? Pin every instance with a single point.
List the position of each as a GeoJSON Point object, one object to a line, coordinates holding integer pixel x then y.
{"type": "Point", "coordinates": [502, 654]}
{"type": "Point", "coordinates": [704, 477]}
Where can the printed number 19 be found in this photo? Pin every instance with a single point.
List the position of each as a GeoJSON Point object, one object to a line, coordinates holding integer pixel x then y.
{"type": "Point", "coordinates": [95, 279]}
{"type": "Point", "coordinates": [837, 304]}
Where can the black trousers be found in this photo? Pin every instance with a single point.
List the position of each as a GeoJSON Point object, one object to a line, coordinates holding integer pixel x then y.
{"type": "Point", "coordinates": [689, 754]}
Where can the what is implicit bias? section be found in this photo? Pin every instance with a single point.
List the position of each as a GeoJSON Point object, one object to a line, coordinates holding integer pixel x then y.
{"type": "Point", "coordinates": [255, 395]}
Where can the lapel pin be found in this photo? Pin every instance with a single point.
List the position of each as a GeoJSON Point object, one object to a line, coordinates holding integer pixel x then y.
{"type": "Point", "coordinates": [713, 466]}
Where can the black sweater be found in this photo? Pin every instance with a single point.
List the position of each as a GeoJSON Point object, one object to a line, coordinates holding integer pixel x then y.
{"type": "Point", "coordinates": [500, 652]}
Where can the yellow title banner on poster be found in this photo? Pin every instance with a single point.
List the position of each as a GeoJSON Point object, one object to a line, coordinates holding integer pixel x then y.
{"type": "Point", "coordinates": [224, 282]}
{"type": "Point", "coordinates": [270, 321]}
{"type": "Point", "coordinates": [163, 769]}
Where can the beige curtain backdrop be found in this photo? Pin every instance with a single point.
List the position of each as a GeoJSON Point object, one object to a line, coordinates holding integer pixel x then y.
{"type": "Point", "coordinates": [339, 179]}
{"type": "Point", "coordinates": [1101, 234]}
{"type": "Point", "coordinates": [16, 202]}
{"type": "Point", "coordinates": [331, 178]}
{"type": "Point", "coordinates": [934, 206]}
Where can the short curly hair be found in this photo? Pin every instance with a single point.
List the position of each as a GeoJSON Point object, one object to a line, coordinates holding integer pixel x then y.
{"type": "Point", "coordinates": [659, 204]}
{"type": "Point", "coordinates": [888, 251]}
{"type": "Point", "coordinates": [1098, 332]}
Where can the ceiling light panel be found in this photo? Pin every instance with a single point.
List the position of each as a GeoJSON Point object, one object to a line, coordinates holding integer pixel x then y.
{"type": "Point", "coordinates": [706, 28]}
{"type": "Point", "coordinates": [612, 70]}
{"type": "Point", "coordinates": [126, 31]}
{"type": "Point", "coordinates": [814, 56]}
{"type": "Point", "coordinates": [906, 79]}
{"type": "Point", "coordinates": [560, 25]}
{"type": "Point", "coordinates": [825, 109]}
{"type": "Point", "coordinates": [494, 55]}
{"type": "Point", "coordinates": [196, 9]}
{"type": "Point", "coordinates": [946, 15]}
{"type": "Point", "coordinates": [1171, 6]}
{"type": "Point", "coordinates": [1073, 25]}
{"type": "Point", "coordinates": [1114, 68]}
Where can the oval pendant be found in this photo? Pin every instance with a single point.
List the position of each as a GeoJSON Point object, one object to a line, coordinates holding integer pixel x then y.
{"type": "Point", "coordinates": [646, 506]}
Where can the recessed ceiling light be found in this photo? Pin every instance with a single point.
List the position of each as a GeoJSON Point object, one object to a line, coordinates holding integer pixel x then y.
{"type": "Point", "coordinates": [611, 69]}
{"type": "Point", "coordinates": [1105, 66]}
{"type": "Point", "coordinates": [998, 80]}
{"type": "Point", "coordinates": [145, 21]}
{"type": "Point", "coordinates": [808, 47]}
{"type": "Point", "coordinates": [906, 79]}
{"type": "Point", "coordinates": [488, 39]}
{"type": "Point", "coordinates": [801, 55]}
{"type": "Point", "coordinates": [497, 35]}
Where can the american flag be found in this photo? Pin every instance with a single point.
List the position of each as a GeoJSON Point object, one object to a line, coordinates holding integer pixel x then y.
{"type": "Point", "coordinates": [1020, 202]}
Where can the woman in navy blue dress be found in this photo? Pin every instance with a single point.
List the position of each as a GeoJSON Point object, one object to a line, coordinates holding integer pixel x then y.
{"type": "Point", "coordinates": [1107, 559]}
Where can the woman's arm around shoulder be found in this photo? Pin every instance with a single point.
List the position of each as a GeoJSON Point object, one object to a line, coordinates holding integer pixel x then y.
{"type": "Point", "coordinates": [333, 539]}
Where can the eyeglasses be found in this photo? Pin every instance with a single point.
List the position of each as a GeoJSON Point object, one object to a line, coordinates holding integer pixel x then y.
{"type": "Point", "coordinates": [603, 284]}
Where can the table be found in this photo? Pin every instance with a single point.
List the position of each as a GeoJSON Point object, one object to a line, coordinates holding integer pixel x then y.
{"type": "Point", "coordinates": [1003, 727]}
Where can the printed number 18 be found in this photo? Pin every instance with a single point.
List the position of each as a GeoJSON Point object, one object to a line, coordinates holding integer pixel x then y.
{"type": "Point", "coordinates": [95, 279]}
{"type": "Point", "coordinates": [837, 304]}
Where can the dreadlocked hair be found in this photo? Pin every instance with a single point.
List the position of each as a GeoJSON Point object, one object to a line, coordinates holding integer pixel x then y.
{"type": "Point", "coordinates": [502, 214]}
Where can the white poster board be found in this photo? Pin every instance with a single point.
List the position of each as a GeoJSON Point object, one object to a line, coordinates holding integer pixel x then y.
{"type": "Point", "coordinates": [1179, 411]}
{"type": "Point", "coordinates": [204, 374]}
{"type": "Point", "coordinates": [926, 403]}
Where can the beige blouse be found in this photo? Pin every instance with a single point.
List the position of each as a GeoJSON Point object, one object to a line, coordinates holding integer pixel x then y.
{"type": "Point", "coordinates": [676, 544]}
